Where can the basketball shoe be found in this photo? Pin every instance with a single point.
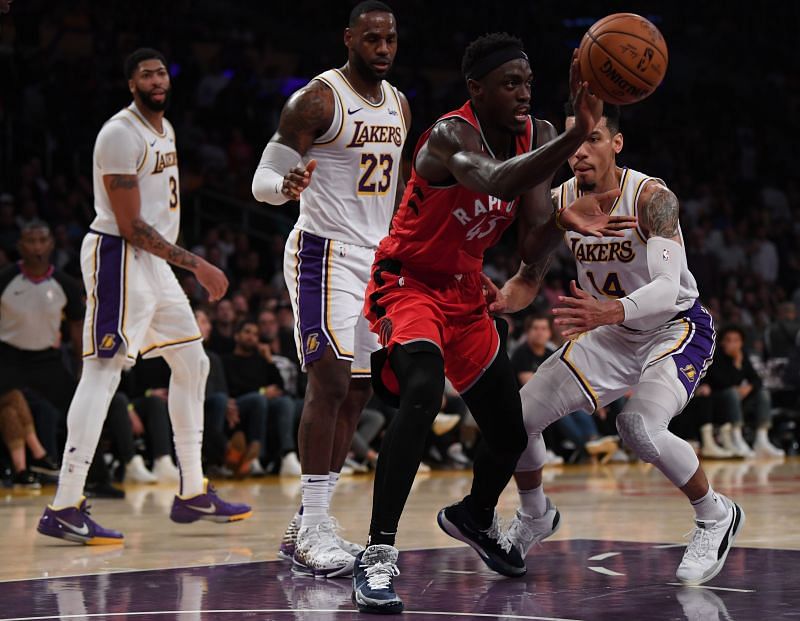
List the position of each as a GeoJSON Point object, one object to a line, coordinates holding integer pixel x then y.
{"type": "Point", "coordinates": [524, 530]}
{"type": "Point", "coordinates": [317, 553]}
{"type": "Point", "coordinates": [491, 544]}
{"type": "Point", "coordinates": [289, 541]}
{"type": "Point", "coordinates": [207, 506]}
{"type": "Point", "coordinates": [74, 524]}
{"type": "Point", "coordinates": [373, 580]}
{"type": "Point", "coordinates": [711, 541]}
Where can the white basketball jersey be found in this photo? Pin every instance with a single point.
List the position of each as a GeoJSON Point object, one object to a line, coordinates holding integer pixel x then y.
{"type": "Point", "coordinates": [614, 267]}
{"type": "Point", "coordinates": [128, 145]}
{"type": "Point", "coordinates": [352, 191]}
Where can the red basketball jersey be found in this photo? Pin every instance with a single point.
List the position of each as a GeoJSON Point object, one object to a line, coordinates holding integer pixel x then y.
{"type": "Point", "coordinates": [447, 228]}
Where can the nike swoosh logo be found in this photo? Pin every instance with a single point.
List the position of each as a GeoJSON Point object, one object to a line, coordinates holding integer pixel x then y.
{"type": "Point", "coordinates": [349, 111]}
{"type": "Point", "coordinates": [317, 480]}
{"type": "Point", "coordinates": [83, 530]}
{"type": "Point", "coordinates": [152, 144]}
{"type": "Point", "coordinates": [18, 292]}
{"type": "Point", "coordinates": [208, 509]}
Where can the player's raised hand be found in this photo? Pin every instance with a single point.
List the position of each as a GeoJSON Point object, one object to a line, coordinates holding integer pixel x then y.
{"type": "Point", "coordinates": [588, 109]}
{"type": "Point", "coordinates": [297, 180]}
{"type": "Point", "coordinates": [574, 76]}
{"type": "Point", "coordinates": [586, 216]}
{"type": "Point", "coordinates": [212, 279]}
{"type": "Point", "coordinates": [581, 312]}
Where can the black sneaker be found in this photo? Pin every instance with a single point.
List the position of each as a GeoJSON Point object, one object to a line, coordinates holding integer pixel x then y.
{"type": "Point", "coordinates": [373, 580]}
{"type": "Point", "coordinates": [45, 465]}
{"type": "Point", "coordinates": [103, 490]}
{"type": "Point", "coordinates": [26, 479]}
{"type": "Point", "coordinates": [491, 544]}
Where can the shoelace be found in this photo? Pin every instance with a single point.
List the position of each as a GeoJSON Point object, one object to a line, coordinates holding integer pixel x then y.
{"type": "Point", "coordinates": [327, 536]}
{"type": "Point", "coordinates": [699, 545]}
{"type": "Point", "coordinates": [496, 532]}
{"type": "Point", "coordinates": [379, 576]}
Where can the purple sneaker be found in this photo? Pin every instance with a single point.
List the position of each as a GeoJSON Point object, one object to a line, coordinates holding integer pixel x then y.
{"type": "Point", "coordinates": [74, 524]}
{"type": "Point", "coordinates": [207, 506]}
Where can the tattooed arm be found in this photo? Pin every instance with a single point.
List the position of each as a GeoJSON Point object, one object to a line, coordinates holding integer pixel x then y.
{"type": "Point", "coordinates": [123, 194]}
{"type": "Point", "coordinates": [659, 209]}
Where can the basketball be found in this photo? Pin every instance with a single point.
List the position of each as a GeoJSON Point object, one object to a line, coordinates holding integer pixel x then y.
{"type": "Point", "coordinates": [623, 57]}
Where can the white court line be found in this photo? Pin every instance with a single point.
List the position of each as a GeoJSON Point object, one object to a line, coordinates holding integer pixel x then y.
{"type": "Point", "coordinates": [288, 610]}
{"type": "Point", "coordinates": [702, 586]}
{"type": "Point", "coordinates": [457, 571]}
{"type": "Point", "coordinates": [670, 545]}
{"type": "Point", "coordinates": [604, 556]}
{"type": "Point", "coordinates": [606, 571]}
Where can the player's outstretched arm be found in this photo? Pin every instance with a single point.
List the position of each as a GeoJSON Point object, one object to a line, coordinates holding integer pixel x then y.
{"type": "Point", "coordinates": [281, 175]}
{"type": "Point", "coordinates": [123, 193]}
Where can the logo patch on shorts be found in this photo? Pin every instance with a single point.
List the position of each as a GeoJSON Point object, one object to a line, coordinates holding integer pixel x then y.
{"type": "Point", "coordinates": [108, 341]}
{"type": "Point", "coordinates": [312, 342]}
{"type": "Point", "coordinates": [689, 371]}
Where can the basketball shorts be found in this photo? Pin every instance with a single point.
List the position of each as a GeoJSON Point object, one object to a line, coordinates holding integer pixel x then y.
{"type": "Point", "coordinates": [607, 361]}
{"type": "Point", "coordinates": [326, 281]}
{"type": "Point", "coordinates": [134, 301]}
{"type": "Point", "coordinates": [448, 314]}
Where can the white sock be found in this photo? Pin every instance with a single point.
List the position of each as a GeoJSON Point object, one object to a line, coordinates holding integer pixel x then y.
{"type": "Point", "coordinates": [333, 479]}
{"type": "Point", "coordinates": [762, 436]}
{"type": "Point", "coordinates": [533, 502]}
{"type": "Point", "coordinates": [710, 506]}
{"type": "Point", "coordinates": [189, 366]}
{"type": "Point", "coordinates": [315, 499]}
{"type": "Point", "coordinates": [87, 412]}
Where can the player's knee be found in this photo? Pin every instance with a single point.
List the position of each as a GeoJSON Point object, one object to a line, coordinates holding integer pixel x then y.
{"type": "Point", "coordinates": [423, 392]}
{"type": "Point", "coordinates": [635, 434]}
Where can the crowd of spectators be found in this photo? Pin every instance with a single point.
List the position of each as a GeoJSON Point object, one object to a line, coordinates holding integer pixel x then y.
{"type": "Point", "coordinates": [720, 141]}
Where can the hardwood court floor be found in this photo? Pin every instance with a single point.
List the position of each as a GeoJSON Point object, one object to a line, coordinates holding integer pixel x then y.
{"type": "Point", "coordinates": [618, 524]}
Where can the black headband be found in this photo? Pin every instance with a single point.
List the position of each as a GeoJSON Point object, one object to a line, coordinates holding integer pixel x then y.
{"type": "Point", "coordinates": [494, 60]}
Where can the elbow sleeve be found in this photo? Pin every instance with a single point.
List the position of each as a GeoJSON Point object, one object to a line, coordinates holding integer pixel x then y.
{"type": "Point", "coordinates": [276, 161]}
{"type": "Point", "coordinates": [664, 260]}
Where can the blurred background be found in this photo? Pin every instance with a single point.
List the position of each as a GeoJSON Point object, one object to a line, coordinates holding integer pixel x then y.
{"type": "Point", "coordinates": [720, 131]}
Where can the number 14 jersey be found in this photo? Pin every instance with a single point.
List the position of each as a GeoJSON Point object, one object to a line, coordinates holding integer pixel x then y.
{"type": "Point", "coordinates": [352, 191]}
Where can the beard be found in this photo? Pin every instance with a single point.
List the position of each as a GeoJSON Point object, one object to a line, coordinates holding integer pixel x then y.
{"type": "Point", "coordinates": [366, 70]}
{"type": "Point", "coordinates": [587, 187]}
{"type": "Point", "coordinates": [155, 106]}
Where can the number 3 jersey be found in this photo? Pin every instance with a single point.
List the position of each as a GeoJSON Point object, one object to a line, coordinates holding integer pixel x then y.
{"type": "Point", "coordinates": [351, 196]}
{"type": "Point", "coordinates": [613, 267]}
{"type": "Point", "coordinates": [128, 145]}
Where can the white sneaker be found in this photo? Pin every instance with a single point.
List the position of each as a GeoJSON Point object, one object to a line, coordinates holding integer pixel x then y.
{"type": "Point", "coordinates": [256, 469]}
{"type": "Point", "coordinates": [715, 451]}
{"type": "Point", "coordinates": [317, 554]}
{"type": "Point", "coordinates": [289, 541]}
{"type": "Point", "coordinates": [456, 452]}
{"type": "Point", "coordinates": [444, 423]}
{"type": "Point", "coordinates": [552, 459]}
{"type": "Point", "coordinates": [165, 471]}
{"type": "Point", "coordinates": [701, 604]}
{"type": "Point", "coordinates": [711, 541]}
{"type": "Point", "coordinates": [348, 546]}
{"type": "Point", "coordinates": [290, 465]}
{"type": "Point", "coordinates": [524, 530]}
{"type": "Point", "coordinates": [137, 472]}
{"type": "Point", "coordinates": [765, 448]}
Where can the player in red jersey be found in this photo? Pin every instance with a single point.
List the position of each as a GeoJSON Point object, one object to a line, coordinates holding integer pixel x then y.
{"type": "Point", "coordinates": [473, 171]}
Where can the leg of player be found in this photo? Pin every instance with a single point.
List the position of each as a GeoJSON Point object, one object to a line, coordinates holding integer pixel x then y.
{"type": "Point", "coordinates": [197, 499]}
{"type": "Point", "coordinates": [68, 516]}
{"type": "Point", "coordinates": [495, 404]}
{"type": "Point", "coordinates": [643, 427]}
{"type": "Point", "coordinates": [551, 394]}
{"type": "Point", "coordinates": [421, 379]}
{"type": "Point", "coordinates": [316, 550]}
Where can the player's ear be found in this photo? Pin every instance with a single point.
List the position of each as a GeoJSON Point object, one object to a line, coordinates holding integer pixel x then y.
{"type": "Point", "coordinates": [348, 38]}
{"type": "Point", "coordinates": [617, 142]}
{"type": "Point", "coordinates": [131, 86]}
{"type": "Point", "coordinates": [474, 87]}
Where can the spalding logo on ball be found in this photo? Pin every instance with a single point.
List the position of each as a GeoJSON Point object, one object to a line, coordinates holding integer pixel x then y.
{"type": "Point", "coordinates": [623, 57]}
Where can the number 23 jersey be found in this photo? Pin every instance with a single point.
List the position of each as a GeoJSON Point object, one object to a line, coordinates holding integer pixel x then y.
{"type": "Point", "coordinates": [128, 145]}
{"type": "Point", "coordinates": [613, 267]}
{"type": "Point", "coordinates": [351, 196]}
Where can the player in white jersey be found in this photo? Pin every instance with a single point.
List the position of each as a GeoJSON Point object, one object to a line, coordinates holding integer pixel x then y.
{"type": "Point", "coordinates": [337, 150]}
{"type": "Point", "coordinates": [635, 323]}
{"type": "Point", "coordinates": [135, 305]}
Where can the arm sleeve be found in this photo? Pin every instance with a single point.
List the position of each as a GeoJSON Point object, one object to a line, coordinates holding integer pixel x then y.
{"type": "Point", "coordinates": [660, 294]}
{"type": "Point", "coordinates": [119, 150]}
{"type": "Point", "coordinates": [276, 161]}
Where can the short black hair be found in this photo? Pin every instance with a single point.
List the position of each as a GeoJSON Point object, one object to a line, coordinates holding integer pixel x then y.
{"type": "Point", "coordinates": [484, 45]}
{"type": "Point", "coordinates": [730, 329]}
{"type": "Point", "coordinates": [34, 225]}
{"type": "Point", "coordinates": [137, 56]}
{"type": "Point", "coordinates": [244, 323]}
{"type": "Point", "coordinates": [612, 113]}
{"type": "Point", "coordinates": [367, 6]}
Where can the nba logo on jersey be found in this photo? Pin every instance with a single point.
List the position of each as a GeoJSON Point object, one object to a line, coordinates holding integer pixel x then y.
{"type": "Point", "coordinates": [108, 341]}
{"type": "Point", "coordinates": [689, 371]}
{"type": "Point", "coordinates": [312, 343]}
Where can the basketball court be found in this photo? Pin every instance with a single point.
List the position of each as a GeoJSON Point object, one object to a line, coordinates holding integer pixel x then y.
{"type": "Point", "coordinates": [614, 557]}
